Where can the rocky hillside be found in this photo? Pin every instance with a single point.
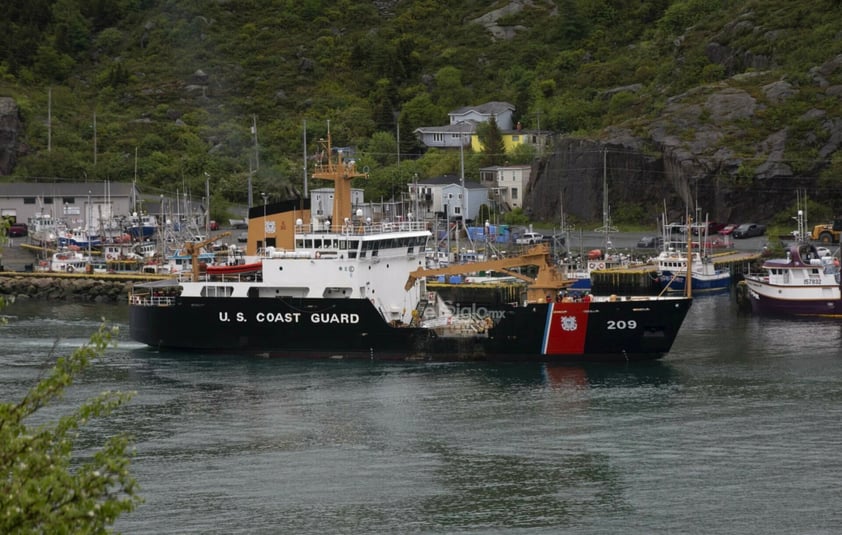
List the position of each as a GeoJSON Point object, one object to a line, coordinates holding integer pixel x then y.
{"type": "Point", "coordinates": [713, 143]}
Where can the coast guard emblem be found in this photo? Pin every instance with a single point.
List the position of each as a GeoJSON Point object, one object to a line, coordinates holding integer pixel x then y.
{"type": "Point", "coordinates": [568, 323]}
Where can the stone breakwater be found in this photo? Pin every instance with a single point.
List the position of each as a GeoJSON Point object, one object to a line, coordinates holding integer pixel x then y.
{"type": "Point", "coordinates": [95, 290]}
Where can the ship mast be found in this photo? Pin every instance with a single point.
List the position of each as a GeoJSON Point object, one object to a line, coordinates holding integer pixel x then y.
{"type": "Point", "coordinates": [341, 172]}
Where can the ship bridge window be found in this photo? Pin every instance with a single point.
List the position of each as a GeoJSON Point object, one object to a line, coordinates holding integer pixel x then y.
{"type": "Point", "coordinates": [217, 291]}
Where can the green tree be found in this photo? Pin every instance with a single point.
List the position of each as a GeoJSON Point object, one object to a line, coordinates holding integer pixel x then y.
{"type": "Point", "coordinates": [45, 487]}
{"type": "Point", "coordinates": [516, 217]}
{"type": "Point", "coordinates": [491, 140]}
{"type": "Point", "coordinates": [450, 92]}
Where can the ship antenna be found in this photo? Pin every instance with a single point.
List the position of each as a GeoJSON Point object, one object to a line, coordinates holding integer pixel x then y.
{"type": "Point", "coordinates": [340, 173]}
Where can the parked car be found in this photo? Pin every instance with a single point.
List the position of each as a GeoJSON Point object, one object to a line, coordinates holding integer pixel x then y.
{"type": "Point", "coordinates": [16, 230]}
{"type": "Point", "coordinates": [213, 225]}
{"type": "Point", "coordinates": [713, 227]}
{"type": "Point", "coordinates": [727, 229]}
{"type": "Point", "coordinates": [748, 230]}
{"type": "Point", "coordinates": [650, 242]}
{"type": "Point", "coordinates": [530, 238]}
{"type": "Point", "coordinates": [243, 237]}
{"type": "Point", "coordinates": [823, 251]}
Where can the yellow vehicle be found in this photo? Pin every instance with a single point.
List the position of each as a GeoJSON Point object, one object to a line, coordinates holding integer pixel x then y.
{"type": "Point", "coordinates": [827, 233]}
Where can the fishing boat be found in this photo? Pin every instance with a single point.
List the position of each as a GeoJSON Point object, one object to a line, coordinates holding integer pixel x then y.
{"type": "Point", "coordinates": [141, 227]}
{"type": "Point", "coordinates": [45, 229]}
{"type": "Point", "coordinates": [671, 262]}
{"type": "Point", "coordinates": [804, 283]}
{"type": "Point", "coordinates": [65, 261]}
{"type": "Point", "coordinates": [79, 237]}
{"type": "Point", "coordinates": [352, 287]}
{"type": "Point", "coordinates": [672, 272]}
{"type": "Point", "coordinates": [580, 272]}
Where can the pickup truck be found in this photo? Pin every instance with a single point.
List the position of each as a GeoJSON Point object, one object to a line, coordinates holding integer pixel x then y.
{"type": "Point", "coordinates": [530, 238]}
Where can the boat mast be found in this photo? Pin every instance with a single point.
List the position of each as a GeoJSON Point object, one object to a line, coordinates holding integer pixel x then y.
{"type": "Point", "coordinates": [606, 227]}
{"type": "Point", "coordinates": [340, 172]}
{"type": "Point", "coordinates": [688, 276]}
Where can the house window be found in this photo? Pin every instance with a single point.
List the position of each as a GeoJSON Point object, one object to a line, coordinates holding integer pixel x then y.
{"type": "Point", "coordinates": [438, 137]}
{"type": "Point", "coordinates": [29, 200]}
{"type": "Point", "coordinates": [514, 193]}
{"type": "Point", "coordinates": [48, 200]}
{"type": "Point", "coordinates": [457, 210]}
{"type": "Point", "coordinates": [68, 200]}
{"type": "Point", "coordinates": [515, 139]}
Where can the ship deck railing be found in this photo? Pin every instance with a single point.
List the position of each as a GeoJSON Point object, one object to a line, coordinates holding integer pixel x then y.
{"type": "Point", "coordinates": [363, 228]}
{"type": "Point", "coordinates": [151, 300]}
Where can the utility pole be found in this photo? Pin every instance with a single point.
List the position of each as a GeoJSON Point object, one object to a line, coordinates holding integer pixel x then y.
{"type": "Point", "coordinates": [50, 120]}
{"type": "Point", "coordinates": [254, 162]}
{"type": "Point", "coordinates": [306, 193]}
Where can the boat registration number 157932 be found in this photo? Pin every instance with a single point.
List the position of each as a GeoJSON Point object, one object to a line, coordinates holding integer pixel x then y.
{"type": "Point", "coordinates": [621, 325]}
{"type": "Point", "coordinates": [812, 282]}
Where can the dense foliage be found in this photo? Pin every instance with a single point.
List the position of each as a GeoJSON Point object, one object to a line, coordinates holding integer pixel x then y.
{"type": "Point", "coordinates": [46, 486]}
{"type": "Point", "coordinates": [181, 83]}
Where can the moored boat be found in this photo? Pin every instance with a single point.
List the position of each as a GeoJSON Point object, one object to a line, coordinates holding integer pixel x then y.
{"type": "Point", "coordinates": [803, 283]}
{"type": "Point", "coordinates": [234, 269]}
{"type": "Point", "coordinates": [671, 263]}
{"type": "Point", "coordinates": [357, 289]}
{"type": "Point", "coordinates": [706, 277]}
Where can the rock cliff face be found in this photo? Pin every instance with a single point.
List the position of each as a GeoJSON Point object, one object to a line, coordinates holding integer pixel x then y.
{"type": "Point", "coordinates": [10, 128]}
{"type": "Point", "coordinates": [714, 143]}
{"type": "Point", "coordinates": [577, 171]}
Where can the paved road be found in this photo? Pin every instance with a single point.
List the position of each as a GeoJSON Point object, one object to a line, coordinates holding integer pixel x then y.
{"type": "Point", "coordinates": [585, 241]}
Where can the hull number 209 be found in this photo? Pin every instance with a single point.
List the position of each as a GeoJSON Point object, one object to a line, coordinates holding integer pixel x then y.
{"type": "Point", "coordinates": [621, 325]}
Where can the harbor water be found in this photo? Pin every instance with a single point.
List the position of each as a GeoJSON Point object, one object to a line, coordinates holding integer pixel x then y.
{"type": "Point", "coordinates": [736, 431]}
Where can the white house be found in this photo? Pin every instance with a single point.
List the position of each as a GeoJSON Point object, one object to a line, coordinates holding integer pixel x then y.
{"type": "Point", "coordinates": [506, 185]}
{"type": "Point", "coordinates": [448, 136]}
{"type": "Point", "coordinates": [500, 111]}
{"type": "Point", "coordinates": [446, 197]}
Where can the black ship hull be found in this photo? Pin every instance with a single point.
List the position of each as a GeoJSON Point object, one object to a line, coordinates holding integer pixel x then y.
{"type": "Point", "coordinates": [624, 329]}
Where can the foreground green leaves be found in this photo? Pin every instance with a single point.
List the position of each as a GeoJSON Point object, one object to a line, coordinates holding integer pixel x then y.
{"type": "Point", "coordinates": [45, 486]}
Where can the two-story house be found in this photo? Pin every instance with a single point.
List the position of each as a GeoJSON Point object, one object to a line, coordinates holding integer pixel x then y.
{"type": "Point", "coordinates": [506, 185]}
{"type": "Point", "coordinates": [462, 129]}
